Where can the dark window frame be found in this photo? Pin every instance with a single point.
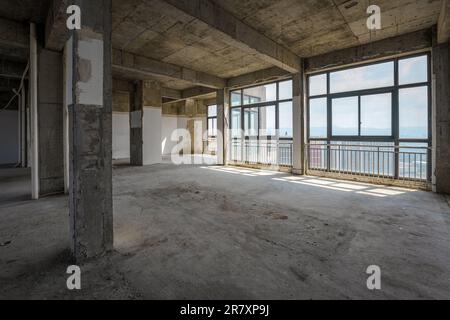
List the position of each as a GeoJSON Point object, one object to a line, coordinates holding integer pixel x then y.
{"type": "Point", "coordinates": [259, 105]}
{"type": "Point", "coordinates": [395, 89]}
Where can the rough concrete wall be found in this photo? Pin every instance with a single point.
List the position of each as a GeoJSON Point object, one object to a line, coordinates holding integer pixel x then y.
{"type": "Point", "coordinates": [50, 122]}
{"type": "Point", "coordinates": [441, 66]}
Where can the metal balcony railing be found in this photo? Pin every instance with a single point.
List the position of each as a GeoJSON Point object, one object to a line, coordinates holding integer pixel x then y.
{"type": "Point", "coordinates": [262, 152]}
{"type": "Point", "coordinates": [383, 161]}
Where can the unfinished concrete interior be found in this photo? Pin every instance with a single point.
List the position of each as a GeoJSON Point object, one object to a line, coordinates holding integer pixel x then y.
{"type": "Point", "coordinates": [206, 149]}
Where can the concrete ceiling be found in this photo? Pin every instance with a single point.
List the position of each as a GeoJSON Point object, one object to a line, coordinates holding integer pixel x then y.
{"type": "Point", "coordinates": [25, 10]}
{"type": "Point", "coordinates": [313, 27]}
{"type": "Point", "coordinates": [157, 30]}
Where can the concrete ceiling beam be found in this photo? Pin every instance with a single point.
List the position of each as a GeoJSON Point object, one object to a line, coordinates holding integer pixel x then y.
{"type": "Point", "coordinates": [239, 34]}
{"type": "Point", "coordinates": [261, 76]}
{"type": "Point", "coordinates": [171, 93]}
{"type": "Point", "coordinates": [142, 66]}
{"type": "Point", "coordinates": [196, 92]}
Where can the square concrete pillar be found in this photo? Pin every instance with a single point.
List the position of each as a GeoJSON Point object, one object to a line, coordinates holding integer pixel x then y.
{"type": "Point", "coordinates": [145, 123]}
{"type": "Point", "coordinates": [223, 126]}
{"type": "Point", "coordinates": [89, 99]}
{"type": "Point", "coordinates": [441, 118]}
{"type": "Point", "coordinates": [299, 124]}
{"type": "Point", "coordinates": [50, 124]}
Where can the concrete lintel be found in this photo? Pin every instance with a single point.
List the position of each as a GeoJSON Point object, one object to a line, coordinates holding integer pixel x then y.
{"type": "Point", "coordinates": [414, 41]}
{"type": "Point", "coordinates": [261, 76]}
{"type": "Point", "coordinates": [239, 34]}
{"type": "Point", "coordinates": [444, 23]}
{"type": "Point", "coordinates": [135, 64]}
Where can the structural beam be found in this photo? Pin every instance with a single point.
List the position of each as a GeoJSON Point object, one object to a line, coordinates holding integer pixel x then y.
{"type": "Point", "coordinates": [239, 34]}
{"type": "Point", "coordinates": [171, 93]}
{"type": "Point", "coordinates": [142, 66]}
{"type": "Point", "coordinates": [406, 43]}
{"type": "Point", "coordinates": [256, 77]}
{"type": "Point", "coordinates": [444, 23]}
{"type": "Point", "coordinates": [196, 92]}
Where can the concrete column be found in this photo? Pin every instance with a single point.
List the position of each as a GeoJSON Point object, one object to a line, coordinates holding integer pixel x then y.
{"type": "Point", "coordinates": [23, 128]}
{"type": "Point", "coordinates": [89, 81]}
{"type": "Point", "coordinates": [50, 126]}
{"type": "Point", "coordinates": [223, 126]}
{"type": "Point", "coordinates": [299, 119]}
{"type": "Point", "coordinates": [145, 123]}
{"type": "Point", "coordinates": [65, 120]}
{"type": "Point", "coordinates": [441, 118]}
{"type": "Point", "coordinates": [34, 139]}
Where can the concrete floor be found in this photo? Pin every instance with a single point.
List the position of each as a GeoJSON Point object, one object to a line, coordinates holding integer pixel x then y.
{"type": "Point", "coordinates": [193, 232]}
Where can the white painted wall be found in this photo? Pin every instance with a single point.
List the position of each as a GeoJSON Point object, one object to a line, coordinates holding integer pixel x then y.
{"type": "Point", "coordinates": [152, 119]}
{"type": "Point", "coordinates": [9, 137]}
{"type": "Point", "coordinates": [168, 125]}
{"type": "Point", "coordinates": [121, 135]}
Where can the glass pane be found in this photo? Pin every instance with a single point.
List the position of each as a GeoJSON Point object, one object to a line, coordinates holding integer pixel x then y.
{"type": "Point", "coordinates": [236, 122]}
{"type": "Point", "coordinates": [212, 111]}
{"type": "Point", "coordinates": [413, 70]}
{"type": "Point", "coordinates": [318, 118]}
{"type": "Point", "coordinates": [210, 127]}
{"type": "Point", "coordinates": [345, 116]}
{"type": "Point", "coordinates": [236, 98]}
{"type": "Point", "coordinates": [368, 77]}
{"type": "Point", "coordinates": [376, 115]}
{"type": "Point", "coordinates": [251, 122]}
{"type": "Point", "coordinates": [285, 88]}
{"type": "Point", "coordinates": [318, 85]}
{"type": "Point", "coordinates": [286, 121]}
{"type": "Point", "coordinates": [413, 105]}
{"type": "Point", "coordinates": [267, 120]}
{"type": "Point", "coordinates": [260, 94]}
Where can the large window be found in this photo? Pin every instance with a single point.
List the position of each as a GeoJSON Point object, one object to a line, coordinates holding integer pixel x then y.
{"type": "Point", "coordinates": [262, 123]}
{"type": "Point", "coordinates": [378, 104]}
{"type": "Point", "coordinates": [266, 111]}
